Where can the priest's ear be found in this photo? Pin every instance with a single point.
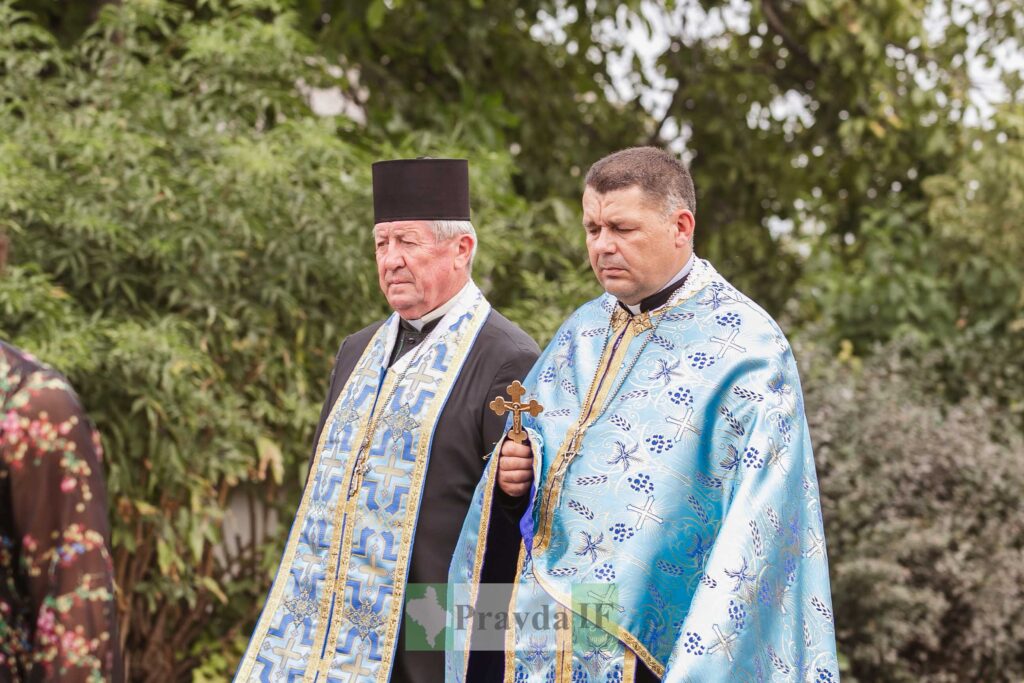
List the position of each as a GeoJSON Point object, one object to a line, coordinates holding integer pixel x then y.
{"type": "Point", "coordinates": [684, 224]}
{"type": "Point", "coordinates": [465, 250]}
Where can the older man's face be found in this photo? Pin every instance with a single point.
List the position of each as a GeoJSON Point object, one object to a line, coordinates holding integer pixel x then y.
{"type": "Point", "coordinates": [418, 273]}
{"type": "Point", "coordinates": [634, 247]}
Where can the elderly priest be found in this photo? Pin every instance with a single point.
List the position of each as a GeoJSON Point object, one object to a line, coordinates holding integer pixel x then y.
{"type": "Point", "coordinates": [399, 448]}
{"type": "Point", "coordinates": [674, 518]}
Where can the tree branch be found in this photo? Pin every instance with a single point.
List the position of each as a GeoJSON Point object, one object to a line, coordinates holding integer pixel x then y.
{"type": "Point", "coordinates": [775, 23]}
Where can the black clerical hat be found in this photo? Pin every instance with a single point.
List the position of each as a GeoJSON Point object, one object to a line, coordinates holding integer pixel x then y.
{"type": "Point", "coordinates": [421, 189]}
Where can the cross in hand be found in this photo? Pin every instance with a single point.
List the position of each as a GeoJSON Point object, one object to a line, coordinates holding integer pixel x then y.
{"type": "Point", "coordinates": [500, 406]}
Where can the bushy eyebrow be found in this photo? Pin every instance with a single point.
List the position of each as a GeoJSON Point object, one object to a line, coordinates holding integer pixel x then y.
{"type": "Point", "coordinates": [591, 224]}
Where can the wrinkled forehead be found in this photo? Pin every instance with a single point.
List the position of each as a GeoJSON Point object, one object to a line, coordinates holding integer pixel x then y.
{"type": "Point", "coordinates": [395, 228]}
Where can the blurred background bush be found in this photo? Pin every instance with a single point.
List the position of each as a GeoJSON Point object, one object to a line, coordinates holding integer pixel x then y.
{"type": "Point", "coordinates": [186, 189]}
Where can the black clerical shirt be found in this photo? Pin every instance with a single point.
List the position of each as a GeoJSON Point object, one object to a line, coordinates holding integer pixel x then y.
{"type": "Point", "coordinates": [659, 298]}
{"type": "Point", "coordinates": [409, 338]}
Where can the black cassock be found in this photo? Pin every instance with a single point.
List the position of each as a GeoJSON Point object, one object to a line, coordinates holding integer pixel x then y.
{"type": "Point", "coordinates": [466, 431]}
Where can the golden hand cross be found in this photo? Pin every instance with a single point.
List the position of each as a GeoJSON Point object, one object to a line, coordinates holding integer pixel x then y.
{"type": "Point", "coordinates": [500, 406]}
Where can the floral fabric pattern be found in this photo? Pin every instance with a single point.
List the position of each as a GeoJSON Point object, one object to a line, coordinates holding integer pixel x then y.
{"type": "Point", "coordinates": [57, 606]}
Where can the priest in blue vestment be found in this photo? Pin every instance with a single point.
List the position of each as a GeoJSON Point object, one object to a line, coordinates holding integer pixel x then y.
{"type": "Point", "coordinates": [671, 504]}
{"type": "Point", "coordinates": [398, 452]}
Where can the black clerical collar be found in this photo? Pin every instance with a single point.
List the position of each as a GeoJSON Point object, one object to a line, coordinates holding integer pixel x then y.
{"type": "Point", "coordinates": [409, 338]}
{"type": "Point", "coordinates": [407, 326]}
{"type": "Point", "coordinates": [660, 298]}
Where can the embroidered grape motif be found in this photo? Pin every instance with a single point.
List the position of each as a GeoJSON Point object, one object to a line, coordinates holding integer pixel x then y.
{"type": "Point", "coordinates": [701, 360]}
{"type": "Point", "coordinates": [658, 443]}
{"type": "Point", "coordinates": [681, 396]}
{"type": "Point", "coordinates": [641, 483]}
{"type": "Point", "coordinates": [693, 644]}
{"type": "Point", "coordinates": [729, 319]}
{"type": "Point", "coordinates": [752, 458]}
{"type": "Point", "coordinates": [738, 614]}
{"type": "Point", "coordinates": [615, 675]}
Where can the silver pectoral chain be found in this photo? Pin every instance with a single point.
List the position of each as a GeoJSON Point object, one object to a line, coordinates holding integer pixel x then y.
{"type": "Point", "coordinates": [362, 465]}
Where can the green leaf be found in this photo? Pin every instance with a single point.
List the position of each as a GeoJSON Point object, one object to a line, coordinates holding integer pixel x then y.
{"type": "Point", "coordinates": [212, 586]}
{"type": "Point", "coordinates": [269, 456]}
{"type": "Point", "coordinates": [375, 14]}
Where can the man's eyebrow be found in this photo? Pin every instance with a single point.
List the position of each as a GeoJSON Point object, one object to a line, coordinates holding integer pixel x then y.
{"type": "Point", "coordinates": [396, 232]}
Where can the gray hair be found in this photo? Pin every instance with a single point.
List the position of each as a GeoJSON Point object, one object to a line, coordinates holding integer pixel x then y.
{"type": "Point", "coordinates": [446, 230]}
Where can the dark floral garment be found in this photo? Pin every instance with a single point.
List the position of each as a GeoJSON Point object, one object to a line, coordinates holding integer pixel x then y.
{"type": "Point", "coordinates": [57, 608]}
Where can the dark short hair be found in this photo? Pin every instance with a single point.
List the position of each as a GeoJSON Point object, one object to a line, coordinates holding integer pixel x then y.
{"type": "Point", "coordinates": [660, 175]}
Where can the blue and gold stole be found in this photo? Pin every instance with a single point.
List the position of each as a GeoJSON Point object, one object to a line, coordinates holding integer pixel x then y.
{"type": "Point", "coordinates": [334, 608]}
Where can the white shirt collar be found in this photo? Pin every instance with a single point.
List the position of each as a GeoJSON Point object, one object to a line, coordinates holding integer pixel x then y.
{"type": "Point", "coordinates": [635, 308]}
{"type": "Point", "coordinates": [440, 310]}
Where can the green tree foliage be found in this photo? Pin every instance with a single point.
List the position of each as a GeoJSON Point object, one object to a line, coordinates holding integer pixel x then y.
{"type": "Point", "coordinates": [475, 63]}
{"type": "Point", "coordinates": [924, 522]}
{"type": "Point", "coordinates": [943, 271]}
{"type": "Point", "coordinates": [190, 245]}
{"type": "Point", "coordinates": [419, 65]}
{"type": "Point", "coordinates": [813, 113]}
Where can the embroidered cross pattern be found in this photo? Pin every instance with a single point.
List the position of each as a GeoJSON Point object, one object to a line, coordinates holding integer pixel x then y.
{"type": "Point", "coordinates": [390, 470]}
{"type": "Point", "coordinates": [640, 322]}
{"type": "Point", "coordinates": [817, 544]}
{"type": "Point", "coordinates": [347, 413]}
{"type": "Point", "coordinates": [364, 618]}
{"type": "Point", "coordinates": [302, 605]}
{"type": "Point", "coordinates": [287, 653]}
{"type": "Point", "coordinates": [400, 421]}
{"type": "Point", "coordinates": [644, 513]}
{"type": "Point", "coordinates": [367, 372]}
{"type": "Point", "coordinates": [371, 571]}
{"type": "Point", "coordinates": [723, 643]}
{"type": "Point", "coordinates": [683, 425]}
{"type": "Point", "coordinates": [417, 378]}
{"type": "Point", "coordinates": [356, 668]}
{"type": "Point", "coordinates": [517, 407]}
{"type": "Point", "coordinates": [776, 454]}
{"type": "Point", "coordinates": [608, 598]}
{"type": "Point", "coordinates": [728, 344]}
